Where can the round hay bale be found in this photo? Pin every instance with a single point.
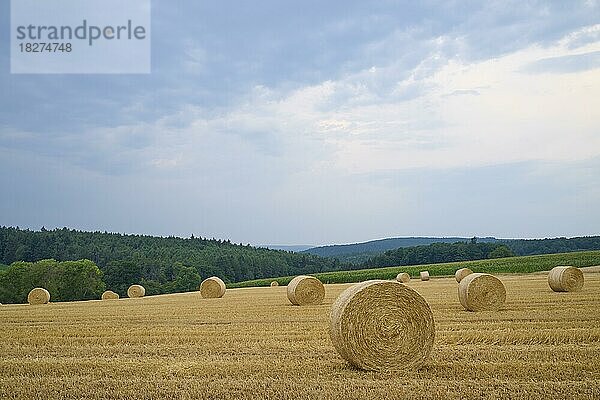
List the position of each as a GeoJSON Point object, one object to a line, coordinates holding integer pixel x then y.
{"type": "Point", "coordinates": [382, 325]}
{"type": "Point", "coordinates": [461, 273]}
{"type": "Point", "coordinates": [38, 296]}
{"type": "Point", "coordinates": [136, 291]}
{"type": "Point", "coordinates": [565, 279]}
{"type": "Point", "coordinates": [110, 295]}
{"type": "Point", "coordinates": [424, 275]}
{"type": "Point", "coordinates": [403, 277]}
{"type": "Point", "coordinates": [274, 283]}
{"type": "Point", "coordinates": [304, 290]}
{"type": "Point", "coordinates": [481, 292]}
{"type": "Point", "coordinates": [212, 288]}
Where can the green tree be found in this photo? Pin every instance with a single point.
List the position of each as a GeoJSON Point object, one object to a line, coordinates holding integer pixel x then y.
{"type": "Point", "coordinates": [66, 281]}
{"type": "Point", "coordinates": [120, 274]}
{"type": "Point", "coordinates": [501, 252]}
{"type": "Point", "coordinates": [187, 279]}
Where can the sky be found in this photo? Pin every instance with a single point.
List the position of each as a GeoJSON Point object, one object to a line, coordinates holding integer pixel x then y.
{"type": "Point", "coordinates": [311, 122]}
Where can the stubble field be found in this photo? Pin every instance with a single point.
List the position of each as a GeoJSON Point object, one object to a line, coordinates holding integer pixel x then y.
{"type": "Point", "coordinates": [254, 344]}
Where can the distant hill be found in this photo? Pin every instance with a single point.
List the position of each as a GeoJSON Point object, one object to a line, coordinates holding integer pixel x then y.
{"type": "Point", "coordinates": [361, 252]}
{"type": "Point", "coordinates": [294, 248]}
{"type": "Point", "coordinates": [366, 253]}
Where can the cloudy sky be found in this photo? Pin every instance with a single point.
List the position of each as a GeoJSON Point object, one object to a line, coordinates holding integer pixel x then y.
{"type": "Point", "coordinates": [312, 122]}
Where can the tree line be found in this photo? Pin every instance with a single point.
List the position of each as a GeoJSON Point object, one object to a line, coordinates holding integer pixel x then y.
{"type": "Point", "coordinates": [161, 264]}
{"type": "Point", "coordinates": [65, 280]}
{"type": "Point", "coordinates": [438, 253]}
{"type": "Point", "coordinates": [172, 264]}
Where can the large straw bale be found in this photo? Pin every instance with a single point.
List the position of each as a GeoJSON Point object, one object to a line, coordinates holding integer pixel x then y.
{"type": "Point", "coordinates": [382, 326]}
{"type": "Point", "coordinates": [110, 295]}
{"type": "Point", "coordinates": [305, 290]}
{"type": "Point", "coordinates": [136, 291]}
{"type": "Point", "coordinates": [403, 277]}
{"type": "Point", "coordinates": [565, 279]}
{"type": "Point", "coordinates": [38, 296]}
{"type": "Point", "coordinates": [212, 288]}
{"type": "Point", "coordinates": [481, 292]}
{"type": "Point", "coordinates": [461, 273]}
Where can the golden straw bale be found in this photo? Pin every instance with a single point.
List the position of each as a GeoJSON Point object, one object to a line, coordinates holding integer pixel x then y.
{"type": "Point", "coordinates": [212, 288]}
{"type": "Point", "coordinates": [382, 326]}
{"type": "Point", "coordinates": [110, 295]}
{"type": "Point", "coordinates": [565, 279]}
{"type": "Point", "coordinates": [424, 275]}
{"type": "Point", "coordinates": [38, 296]}
{"type": "Point", "coordinates": [305, 290]}
{"type": "Point", "coordinates": [136, 291]}
{"type": "Point", "coordinates": [481, 292]}
{"type": "Point", "coordinates": [403, 277]}
{"type": "Point", "coordinates": [461, 273]}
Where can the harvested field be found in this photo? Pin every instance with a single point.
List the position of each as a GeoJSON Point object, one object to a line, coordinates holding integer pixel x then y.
{"type": "Point", "coordinates": [253, 343]}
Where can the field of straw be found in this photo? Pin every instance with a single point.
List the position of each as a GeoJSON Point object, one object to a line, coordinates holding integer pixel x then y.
{"type": "Point", "coordinates": [253, 343]}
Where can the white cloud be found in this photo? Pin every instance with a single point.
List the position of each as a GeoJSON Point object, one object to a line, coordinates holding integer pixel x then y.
{"type": "Point", "coordinates": [445, 112]}
{"type": "Point", "coordinates": [516, 116]}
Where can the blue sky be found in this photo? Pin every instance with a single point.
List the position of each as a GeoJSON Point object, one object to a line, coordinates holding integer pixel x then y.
{"type": "Point", "coordinates": [319, 122]}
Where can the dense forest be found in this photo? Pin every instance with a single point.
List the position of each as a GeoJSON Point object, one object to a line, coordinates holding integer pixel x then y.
{"type": "Point", "coordinates": [528, 247]}
{"type": "Point", "coordinates": [439, 253]}
{"type": "Point", "coordinates": [162, 265]}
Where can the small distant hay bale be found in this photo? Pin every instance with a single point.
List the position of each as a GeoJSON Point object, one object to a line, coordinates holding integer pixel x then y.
{"type": "Point", "coordinates": [135, 291]}
{"type": "Point", "coordinates": [565, 279]}
{"type": "Point", "coordinates": [212, 288]}
{"type": "Point", "coordinates": [403, 277]}
{"type": "Point", "coordinates": [38, 296]}
{"type": "Point", "coordinates": [110, 295]}
{"type": "Point", "coordinates": [305, 290]}
{"type": "Point", "coordinates": [274, 283]}
{"type": "Point", "coordinates": [382, 326]}
{"type": "Point", "coordinates": [481, 292]}
{"type": "Point", "coordinates": [461, 273]}
{"type": "Point", "coordinates": [424, 275]}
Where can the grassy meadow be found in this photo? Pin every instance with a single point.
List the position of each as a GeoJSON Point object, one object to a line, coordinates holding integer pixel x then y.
{"type": "Point", "coordinates": [522, 264]}
{"type": "Point", "coordinates": [253, 344]}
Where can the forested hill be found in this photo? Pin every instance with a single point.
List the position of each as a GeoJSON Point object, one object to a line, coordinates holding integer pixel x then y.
{"type": "Point", "coordinates": [156, 259]}
{"type": "Point", "coordinates": [373, 252]}
{"type": "Point", "coordinates": [360, 252]}
{"type": "Point", "coordinates": [527, 247]}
